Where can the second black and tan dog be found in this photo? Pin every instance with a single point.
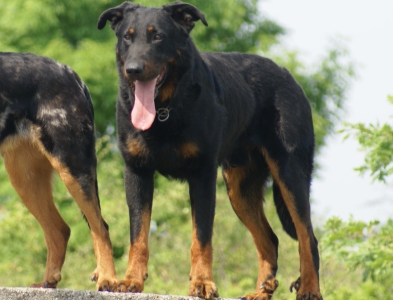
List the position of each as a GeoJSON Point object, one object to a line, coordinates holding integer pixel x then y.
{"type": "Point", "coordinates": [46, 124]}
{"type": "Point", "coordinates": [183, 113]}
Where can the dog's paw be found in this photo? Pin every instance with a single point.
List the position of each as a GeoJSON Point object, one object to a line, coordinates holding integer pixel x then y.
{"type": "Point", "coordinates": [104, 283]}
{"type": "Point", "coordinates": [302, 293]}
{"type": "Point", "coordinates": [308, 296]}
{"type": "Point", "coordinates": [265, 291]}
{"type": "Point", "coordinates": [203, 288]}
{"type": "Point", "coordinates": [49, 283]}
{"type": "Point", "coordinates": [130, 286]}
{"type": "Point", "coordinates": [257, 296]}
{"type": "Point", "coordinates": [295, 285]}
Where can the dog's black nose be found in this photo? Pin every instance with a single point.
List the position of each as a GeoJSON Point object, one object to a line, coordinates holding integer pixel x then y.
{"type": "Point", "coordinates": [134, 69]}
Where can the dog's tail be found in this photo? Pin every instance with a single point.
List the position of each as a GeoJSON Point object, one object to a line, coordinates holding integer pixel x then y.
{"type": "Point", "coordinates": [283, 213]}
{"type": "Point", "coordinates": [87, 96]}
{"type": "Point", "coordinates": [83, 88]}
{"type": "Point", "coordinates": [90, 102]}
{"type": "Point", "coordinates": [99, 204]}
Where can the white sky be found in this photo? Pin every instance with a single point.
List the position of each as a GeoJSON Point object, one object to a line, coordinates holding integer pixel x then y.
{"type": "Point", "coordinates": [368, 28]}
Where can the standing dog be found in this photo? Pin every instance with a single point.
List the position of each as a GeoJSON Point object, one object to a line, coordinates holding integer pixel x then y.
{"type": "Point", "coordinates": [183, 113]}
{"type": "Point", "coordinates": [46, 124]}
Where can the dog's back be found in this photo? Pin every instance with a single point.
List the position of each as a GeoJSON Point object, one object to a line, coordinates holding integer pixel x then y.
{"type": "Point", "coordinates": [263, 98]}
{"type": "Point", "coordinates": [37, 90]}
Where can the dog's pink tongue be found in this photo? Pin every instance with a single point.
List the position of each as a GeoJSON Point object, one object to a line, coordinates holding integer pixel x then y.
{"type": "Point", "coordinates": [144, 111]}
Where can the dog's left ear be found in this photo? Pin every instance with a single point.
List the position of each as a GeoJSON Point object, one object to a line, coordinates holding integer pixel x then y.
{"type": "Point", "coordinates": [185, 14]}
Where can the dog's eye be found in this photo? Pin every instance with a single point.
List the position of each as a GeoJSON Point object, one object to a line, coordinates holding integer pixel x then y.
{"type": "Point", "coordinates": [127, 37]}
{"type": "Point", "coordinates": [157, 37]}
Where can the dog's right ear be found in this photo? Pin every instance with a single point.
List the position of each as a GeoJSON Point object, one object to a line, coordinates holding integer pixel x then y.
{"type": "Point", "coordinates": [115, 15]}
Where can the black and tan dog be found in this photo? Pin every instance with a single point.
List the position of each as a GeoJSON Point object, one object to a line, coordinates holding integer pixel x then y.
{"type": "Point", "coordinates": [183, 113]}
{"type": "Point", "coordinates": [46, 124]}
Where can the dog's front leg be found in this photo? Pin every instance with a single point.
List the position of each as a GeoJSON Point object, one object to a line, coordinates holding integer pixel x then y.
{"type": "Point", "coordinates": [139, 193]}
{"type": "Point", "coordinates": [203, 196]}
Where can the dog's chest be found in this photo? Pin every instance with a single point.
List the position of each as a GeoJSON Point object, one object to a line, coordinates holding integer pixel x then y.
{"type": "Point", "coordinates": [168, 157]}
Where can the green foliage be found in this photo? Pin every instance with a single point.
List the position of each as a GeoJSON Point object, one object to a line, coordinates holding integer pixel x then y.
{"type": "Point", "coordinates": [377, 141]}
{"type": "Point", "coordinates": [363, 247]}
{"type": "Point", "coordinates": [66, 31]}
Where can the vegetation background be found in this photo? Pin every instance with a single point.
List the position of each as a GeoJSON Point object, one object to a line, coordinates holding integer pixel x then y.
{"type": "Point", "coordinates": [356, 258]}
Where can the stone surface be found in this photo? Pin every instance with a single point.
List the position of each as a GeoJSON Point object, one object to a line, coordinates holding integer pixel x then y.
{"type": "Point", "coordinates": [65, 294]}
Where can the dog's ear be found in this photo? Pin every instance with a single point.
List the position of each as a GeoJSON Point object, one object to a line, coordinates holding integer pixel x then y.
{"type": "Point", "coordinates": [115, 15]}
{"type": "Point", "coordinates": [185, 14]}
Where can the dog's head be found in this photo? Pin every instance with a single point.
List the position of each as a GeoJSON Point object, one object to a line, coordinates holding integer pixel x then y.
{"type": "Point", "coordinates": [149, 43]}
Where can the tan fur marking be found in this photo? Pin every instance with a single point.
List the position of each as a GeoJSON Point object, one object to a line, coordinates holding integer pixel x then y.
{"type": "Point", "coordinates": [166, 91]}
{"type": "Point", "coordinates": [233, 176]}
{"type": "Point", "coordinates": [150, 28]}
{"type": "Point", "coordinates": [201, 273]}
{"type": "Point", "coordinates": [201, 259]}
{"type": "Point", "coordinates": [139, 250]}
{"type": "Point", "coordinates": [136, 148]}
{"type": "Point", "coordinates": [188, 150]}
{"type": "Point", "coordinates": [168, 88]}
{"type": "Point", "coordinates": [131, 31]}
{"type": "Point", "coordinates": [309, 279]}
{"type": "Point", "coordinates": [30, 173]}
{"type": "Point", "coordinates": [138, 258]}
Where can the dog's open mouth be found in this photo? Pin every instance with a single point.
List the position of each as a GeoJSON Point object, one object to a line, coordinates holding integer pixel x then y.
{"type": "Point", "coordinates": [160, 80]}
{"type": "Point", "coordinates": [144, 111]}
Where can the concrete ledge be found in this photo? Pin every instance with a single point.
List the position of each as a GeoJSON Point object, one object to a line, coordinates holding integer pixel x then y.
{"type": "Point", "coordinates": [64, 294]}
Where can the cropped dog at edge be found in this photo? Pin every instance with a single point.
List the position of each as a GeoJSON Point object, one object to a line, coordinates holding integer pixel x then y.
{"type": "Point", "coordinates": [46, 124]}
{"type": "Point", "coordinates": [183, 113]}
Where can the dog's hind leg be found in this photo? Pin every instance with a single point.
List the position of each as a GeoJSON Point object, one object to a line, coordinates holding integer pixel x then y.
{"type": "Point", "coordinates": [81, 184]}
{"type": "Point", "coordinates": [292, 176]}
{"type": "Point", "coordinates": [30, 173]}
{"type": "Point", "coordinates": [245, 190]}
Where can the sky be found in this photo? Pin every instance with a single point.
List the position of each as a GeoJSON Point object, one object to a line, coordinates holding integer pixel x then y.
{"type": "Point", "coordinates": [367, 29]}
